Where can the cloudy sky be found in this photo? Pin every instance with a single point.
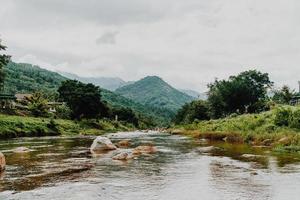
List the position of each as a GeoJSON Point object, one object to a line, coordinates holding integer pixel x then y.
{"type": "Point", "coordinates": [186, 42]}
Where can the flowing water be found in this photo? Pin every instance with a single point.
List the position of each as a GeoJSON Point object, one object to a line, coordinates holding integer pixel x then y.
{"type": "Point", "coordinates": [62, 168]}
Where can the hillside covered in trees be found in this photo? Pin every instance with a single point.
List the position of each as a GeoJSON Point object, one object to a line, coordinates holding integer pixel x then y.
{"type": "Point", "coordinates": [27, 78]}
{"type": "Point", "coordinates": [154, 92]}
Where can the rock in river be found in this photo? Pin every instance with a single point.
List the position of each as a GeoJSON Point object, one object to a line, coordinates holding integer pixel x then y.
{"type": "Point", "coordinates": [123, 143]}
{"type": "Point", "coordinates": [144, 149]}
{"type": "Point", "coordinates": [2, 162]}
{"type": "Point", "coordinates": [206, 149]}
{"type": "Point", "coordinates": [21, 150]}
{"type": "Point", "coordinates": [102, 144]}
{"type": "Point", "coordinates": [123, 156]}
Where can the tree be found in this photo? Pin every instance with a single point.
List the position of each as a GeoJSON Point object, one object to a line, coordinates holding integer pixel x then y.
{"type": "Point", "coordinates": [4, 59]}
{"type": "Point", "coordinates": [246, 92]}
{"type": "Point", "coordinates": [84, 100]}
{"type": "Point", "coordinates": [37, 105]}
{"type": "Point", "coordinates": [126, 114]}
{"type": "Point", "coordinates": [196, 110]}
{"type": "Point", "coordinates": [284, 95]}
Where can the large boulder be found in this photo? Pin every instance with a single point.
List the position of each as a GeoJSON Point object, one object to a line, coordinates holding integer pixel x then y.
{"type": "Point", "coordinates": [21, 150]}
{"type": "Point", "coordinates": [102, 144]}
{"type": "Point", "coordinates": [2, 162]}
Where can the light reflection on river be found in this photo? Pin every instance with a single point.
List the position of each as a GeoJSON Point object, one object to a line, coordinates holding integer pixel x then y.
{"type": "Point", "coordinates": [62, 168]}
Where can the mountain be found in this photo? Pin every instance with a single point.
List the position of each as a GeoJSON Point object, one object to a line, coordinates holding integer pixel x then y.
{"type": "Point", "coordinates": [191, 93]}
{"type": "Point", "coordinates": [109, 83]}
{"type": "Point", "coordinates": [154, 92]}
{"type": "Point", "coordinates": [24, 78]}
{"type": "Point", "coordinates": [27, 78]}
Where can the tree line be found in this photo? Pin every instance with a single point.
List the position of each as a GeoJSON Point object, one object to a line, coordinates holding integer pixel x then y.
{"type": "Point", "coordinates": [246, 92]}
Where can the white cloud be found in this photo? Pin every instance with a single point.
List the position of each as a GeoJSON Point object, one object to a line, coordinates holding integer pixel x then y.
{"type": "Point", "coordinates": [188, 43]}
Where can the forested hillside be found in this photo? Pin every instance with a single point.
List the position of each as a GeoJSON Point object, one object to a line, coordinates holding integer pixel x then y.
{"type": "Point", "coordinates": [27, 78]}
{"type": "Point", "coordinates": [154, 92]}
{"type": "Point", "coordinates": [23, 78]}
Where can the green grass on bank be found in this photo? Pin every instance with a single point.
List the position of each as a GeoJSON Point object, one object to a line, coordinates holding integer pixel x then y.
{"type": "Point", "coordinates": [278, 128]}
{"type": "Point", "coordinates": [18, 126]}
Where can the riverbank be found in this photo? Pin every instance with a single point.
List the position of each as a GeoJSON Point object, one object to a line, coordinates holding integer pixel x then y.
{"type": "Point", "coordinates": [278, 129]}
{"type": "Point", "coordinates": [17, 126]}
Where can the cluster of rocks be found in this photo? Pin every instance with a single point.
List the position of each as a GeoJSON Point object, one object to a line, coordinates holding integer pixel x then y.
{"type": "Point", "coordinates": [103, 145]}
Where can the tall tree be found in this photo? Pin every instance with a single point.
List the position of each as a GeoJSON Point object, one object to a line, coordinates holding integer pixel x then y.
{"type": "Point", "coordinates": [246, 92]}
{"type": "Point", "coordinates": [283, 95]}
{"type": "Point", "coordinates": [84, 100]}
{"type": "Point", "coordinates": [4, 59]}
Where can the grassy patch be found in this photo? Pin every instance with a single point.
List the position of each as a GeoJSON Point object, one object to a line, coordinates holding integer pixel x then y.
{"type": "Point", "coordinates": [278, 128]}
{"type": "Point", "coordinates": [18, 126]}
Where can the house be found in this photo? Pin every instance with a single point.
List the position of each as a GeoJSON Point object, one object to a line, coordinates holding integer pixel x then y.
{"type": "Point", "coordinates": [53, 106]}
{"type": "Point", "coordinates": [7, 101]}
{"type": "Point", "coordinates": [22, 97]}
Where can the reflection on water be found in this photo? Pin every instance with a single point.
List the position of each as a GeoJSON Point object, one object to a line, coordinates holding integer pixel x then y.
{"type": "Point", "coordinates": [63, 168]}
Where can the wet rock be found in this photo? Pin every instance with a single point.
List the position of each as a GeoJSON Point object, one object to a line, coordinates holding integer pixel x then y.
{"type": "Point", "coordinates": [253, 173]}
{"type": "Point", "coordinates": [251, 156]}
{"type": "Point", "coordinates": [206, 149]}
{"type": "Point", "coordinates": [144, 149]}
{"type": "Point", "coordinates": [21, 150]}
{"type": "Point", "coordinates": [123, 143]}
{"type": "Point", "coordinates": [177, 131]}
{"type": "Point", "coordinates": [2, 162]}
{"type": "Point", "coordinates": [123, 156]}
{"type": "Point", "coordinates": [284, 141]}
{"type": "Point", "coordinates": [267, 142]}
{"type": "Point", "coordinates": [102, 144]}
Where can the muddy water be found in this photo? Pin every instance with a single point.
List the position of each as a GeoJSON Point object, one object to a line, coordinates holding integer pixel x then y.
{"type": "Point", "coordinates": [62, 168]}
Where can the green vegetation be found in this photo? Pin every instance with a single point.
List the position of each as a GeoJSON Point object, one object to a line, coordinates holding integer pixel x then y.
{"type": "Point", "coordinates": [278, 128]}
{"type": "Point", "coordinates": [152, 91]}
{"type": "Point", "coordinates": [4, 59]}
{"type": "Point", "coordinates": [283, 95]}
{"type": "Point", "coordinates": [18, 126]}
{"type": "Point", "coordinates": [84, 100]}
{"type": "Point", "coordinates": [27, 78]}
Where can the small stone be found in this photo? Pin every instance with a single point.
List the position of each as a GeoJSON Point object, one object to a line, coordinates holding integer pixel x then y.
{"type": "Point", "coordinates": [21, 150]}
{"type": "Point", "coordinates": [2, 162]}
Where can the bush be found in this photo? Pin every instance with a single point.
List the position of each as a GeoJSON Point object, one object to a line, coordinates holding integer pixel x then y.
{"type": "Point", "coordinates": [294, 120]}
{"type": "Point", "coordinates": [282, 116]}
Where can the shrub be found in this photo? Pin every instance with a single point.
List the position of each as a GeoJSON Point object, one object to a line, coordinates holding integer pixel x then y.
{"type": "Point", "coordinates": [294, 121]}
{"type": "Point", "coordinates": [282, 116]}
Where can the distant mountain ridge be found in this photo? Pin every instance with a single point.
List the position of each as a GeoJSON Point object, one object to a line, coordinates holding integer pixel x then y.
{"type": "Point", "coordinates": [109, 83]}
{"type": "Point", "coordinates": [155, 92]}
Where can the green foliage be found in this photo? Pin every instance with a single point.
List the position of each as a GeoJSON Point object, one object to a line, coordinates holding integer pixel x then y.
{"type": "Point", "coordinates": [284, 95]}
{"type": "Point", "coordinates": [196, 110]}
{"type": "Point", "coordinates": [152, 91]}
{"type": "Point", "coordinates": [4, 59]}
{"type": "Point", "coordinates": [282, 116]}
{"type": "Point", "coordinates": [17, 126]}
{"type": "Point", "coordinates": [37, 105]}
{"type": "Point", "coordinates": [294, 121]}
{"type": "Point", "coordinates": [26, 78]}
{"type": "Point", "coordinates": [63, 112]}
{"type": "Point", "coordinates": [83, 99]}
{"type": "Point", "coordinates": [246, 92]}
{"type": "Point", "coordinates": [126, 115]}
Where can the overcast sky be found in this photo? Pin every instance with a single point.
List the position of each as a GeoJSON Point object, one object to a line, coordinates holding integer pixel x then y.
{"type": "Point", "coordinates": [187, 42]}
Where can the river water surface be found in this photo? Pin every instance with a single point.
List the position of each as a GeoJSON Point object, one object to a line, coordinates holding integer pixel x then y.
{"type": "Point", "coordinates": [62, 168]}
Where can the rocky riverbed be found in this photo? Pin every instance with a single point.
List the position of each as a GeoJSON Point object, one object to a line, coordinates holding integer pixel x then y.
{"type": "Point", "coordinates": [179, 168]}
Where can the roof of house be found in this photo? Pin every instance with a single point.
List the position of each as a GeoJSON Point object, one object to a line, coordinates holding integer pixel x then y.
{"type": "Point", "coordinates": [23, 96]}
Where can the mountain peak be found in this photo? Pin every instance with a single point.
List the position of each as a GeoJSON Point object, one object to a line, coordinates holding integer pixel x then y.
{"type": "Point", "coordinates": [154, 91]}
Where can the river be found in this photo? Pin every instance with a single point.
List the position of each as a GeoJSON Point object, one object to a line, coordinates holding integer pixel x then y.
{"type": "Point", "coordinates": [62, 168]}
